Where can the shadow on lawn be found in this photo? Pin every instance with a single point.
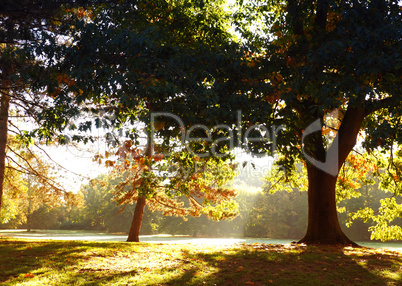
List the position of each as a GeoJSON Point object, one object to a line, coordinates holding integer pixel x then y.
{"type": "Point", "coordinates": [254, 264]}
{"type": "Point", "coordinates": [18, 257]}
{"type": "Point", "coordinates": [270, 265]}
{"type": "Point", "coordinates": [24, 258]}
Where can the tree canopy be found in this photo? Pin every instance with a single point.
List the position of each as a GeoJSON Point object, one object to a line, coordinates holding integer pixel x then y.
{"type": "Point", "coordinates": [326, 56]}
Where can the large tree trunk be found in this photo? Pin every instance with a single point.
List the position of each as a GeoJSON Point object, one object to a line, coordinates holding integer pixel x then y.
{"type": "Point", "coordinates": [323, 224]}
{"type": "Point", "coordinates": [134, 234]}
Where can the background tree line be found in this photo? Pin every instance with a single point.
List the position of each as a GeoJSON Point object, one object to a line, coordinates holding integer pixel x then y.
{"type": "Point", "coordinates": [282, 214]}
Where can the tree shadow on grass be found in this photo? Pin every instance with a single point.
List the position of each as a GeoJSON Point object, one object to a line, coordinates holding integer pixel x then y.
{"type": "Point", "coordinates": [297, 265]}
{"type": "Point", "coordinates": [94, 278]}
{"type": "Point", "coordinates": [20, 257]}
{"type": "Point", "coordinates": [27, 259]}
{"type": "Point", "coordinates": [92, 263]}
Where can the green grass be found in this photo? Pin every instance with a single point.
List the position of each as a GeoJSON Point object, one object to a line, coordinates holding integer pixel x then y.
{"type": "Point", "coordinates": [50, 262]}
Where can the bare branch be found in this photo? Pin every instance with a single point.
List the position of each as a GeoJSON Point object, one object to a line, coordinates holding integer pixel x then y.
{"type": "Point", "coordinates": [57, 164]}
{"type": "Point", "coordinates": [30, 170]}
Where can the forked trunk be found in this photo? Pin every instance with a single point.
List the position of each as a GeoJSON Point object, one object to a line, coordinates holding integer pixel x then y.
{"type": "Point", "coordinates": [134, 234]}
{"type": "Point", "coordinates": [323, 224]}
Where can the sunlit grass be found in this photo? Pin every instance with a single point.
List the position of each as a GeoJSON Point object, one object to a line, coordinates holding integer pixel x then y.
{"type": "Point", "coordinates": [41, 262]}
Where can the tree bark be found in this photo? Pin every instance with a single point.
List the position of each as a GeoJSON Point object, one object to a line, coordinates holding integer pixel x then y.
{"type": "Point", "coordinates": [134, 234]}
{"type": "Point", "coordinates": [323, 224]}
{"type": "Point", "coordinates": [4, 109]}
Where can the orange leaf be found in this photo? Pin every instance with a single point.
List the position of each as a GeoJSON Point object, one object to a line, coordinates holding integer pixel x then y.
{"type": "Point", "coordinates": [29, 275]}
{"type": "Point", "coordinates": [158, 157]}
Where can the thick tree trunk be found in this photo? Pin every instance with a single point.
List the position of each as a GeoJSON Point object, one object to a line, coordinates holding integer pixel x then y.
{"type": "Point", "coordinates": [134, 234]}
{"type": "Point", "coordinates": [323, 224]}
{"type": "Point", "coordinates": [4, 109]}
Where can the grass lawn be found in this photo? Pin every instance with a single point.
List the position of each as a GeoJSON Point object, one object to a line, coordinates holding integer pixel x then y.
{"type": "Point", "coordinates": [50, 262]}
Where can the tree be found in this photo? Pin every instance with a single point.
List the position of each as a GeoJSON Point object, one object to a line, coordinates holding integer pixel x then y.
{"type": "Point", "coordinates": [13, 194]}
{"type": "Point", "coordinates": [357, 188]}
{"type": "Point", "coordinates": [18, 27]}
{"type": "Point", "coordinates": [30, 184]}
{"type": "Point", "coordinates": [161, 183]}
{"type": "Point", "coordinates": [30, 32]}
{"type": "Point", "coordinates": [322, 56]}
{"type": "Point", "coordinates": [385, 214]}
{"type": "Point", "coordinates": [145, 64]}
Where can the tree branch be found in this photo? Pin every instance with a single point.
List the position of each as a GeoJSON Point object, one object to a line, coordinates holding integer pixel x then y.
{"type": "Point", "coordinates": [381, 104]}
{"type": "Point", "coordinates": [57, 164]}
{"type": "Point", "coordinates": [30, 170]}
{"type": "Point", "coordinates": [322, 14]}
{"type": "Point", "coordinates": [295, 17]}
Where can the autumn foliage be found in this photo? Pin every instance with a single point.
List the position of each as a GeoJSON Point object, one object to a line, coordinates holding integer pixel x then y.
{"type": "Point", "coordinates": [179, 185]}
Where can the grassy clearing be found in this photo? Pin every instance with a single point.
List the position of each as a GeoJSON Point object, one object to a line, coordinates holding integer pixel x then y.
{"type": "Point", "coordinates": [44, 262]}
